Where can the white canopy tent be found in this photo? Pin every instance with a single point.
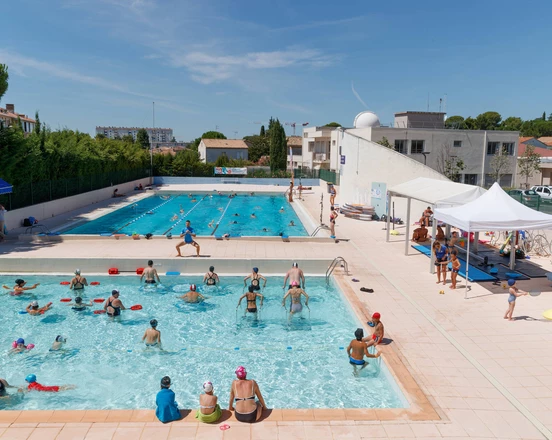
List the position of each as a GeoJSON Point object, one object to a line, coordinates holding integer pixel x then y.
{"type": "Point", "coordinates": [434, 192]}
{"type": "Point", "coordinates": [493, 211]}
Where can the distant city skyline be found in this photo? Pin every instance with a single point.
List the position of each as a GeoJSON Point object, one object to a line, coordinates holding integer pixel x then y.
{"type": "Point", "coordinates": [213, 64]}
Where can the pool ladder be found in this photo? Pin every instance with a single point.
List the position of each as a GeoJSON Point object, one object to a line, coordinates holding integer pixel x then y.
{"type": "Point", "coordinates": [318, 229]}
{"type": "Point", "coordinates": [333, 265]}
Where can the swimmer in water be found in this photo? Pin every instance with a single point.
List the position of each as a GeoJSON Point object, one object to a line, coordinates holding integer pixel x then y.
{"type": "Point", "coordinates": [357, 349]}
{"type": "Point", "coordinates": [152, 336]}
{"type": "Point", "coordinates": [291, 223]}
{"type": "Point", "coordinates": [78, 282]}
{"type": "Point", "coordinates": [211, 278]}
{"type": "Point", "coordinates": [192, 296]}
{"type": "Point", "coordinates": [19, 287]}
{"type": "Point", "coordinates": [33, 309]}
{"type": "Point", "coordinates": [251, 193]}
{"type": "Point", "coordinates": [234, 222]}
{"type": "Point", "coordinates": [253, 215]}
{"type": "Point", "coordinates": [194, 200]}
{"type": "Point", "coordinates": [174, 218]}
{"type": "Point", "coordinates": [255, 279]}
{"type": "Point", "coordinates": [236, 214]}
{"type": "Point", "coordinates": [150, 273]}
{"type": "Point", "coordinates": [266, 229]}
{"type": "Point", "coordinates": [20, 347]}
{"type": "Point", "coordinates": [211, 223]}
{"type": "Point", "coordinates": [251, 300]}
{"type": "Point", "coordinates": [78, 305]}
{"type": "Point", "coordinates": [295, 292]}
{"type": "Point", "coordinates": [190, 195]}
{"type": "Point", "coordinates": [281, 210]}
{"type": "Point", "coordinates": [58, 343]}
{"type": "Point", "coordinates": [181, 209]}
{"type": "Point", "coordinates": [35, 386]}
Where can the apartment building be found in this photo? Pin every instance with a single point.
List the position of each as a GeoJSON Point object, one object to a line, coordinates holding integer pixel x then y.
{"type": "Point", "coordinates": [9, 117]}
{"type": "Point", "coordinates": [155, 134]}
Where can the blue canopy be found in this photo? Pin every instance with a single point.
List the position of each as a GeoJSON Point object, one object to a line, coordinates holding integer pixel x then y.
{"type": "Point", "coordinates": [5, 187]}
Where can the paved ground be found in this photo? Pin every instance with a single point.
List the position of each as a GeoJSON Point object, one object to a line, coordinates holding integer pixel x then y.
{"type": "Point", "coordinates": [487, 377]}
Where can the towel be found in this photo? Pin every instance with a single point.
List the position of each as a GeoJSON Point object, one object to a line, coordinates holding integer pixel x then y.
{"type": "Point", "coordinates": [209, 418]}
{"type": "Point", "coordinates": [167, 408]}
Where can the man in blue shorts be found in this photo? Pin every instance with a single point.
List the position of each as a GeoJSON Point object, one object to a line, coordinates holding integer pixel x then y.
{"type": "Point", "coordinates": [357, 350]}
{"type": "Point", "coordinates": [188, 233]}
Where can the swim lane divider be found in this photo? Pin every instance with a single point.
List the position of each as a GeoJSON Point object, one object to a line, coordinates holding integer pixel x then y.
{"type": "Point", "coordinates": [145, 213]}
{"type": "Point", "coordinates": [223, 213]}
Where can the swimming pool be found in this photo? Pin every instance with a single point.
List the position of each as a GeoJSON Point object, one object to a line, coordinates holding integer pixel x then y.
{"type": "Point", "coordinates": [209, 213]}
{"type": "Point", "coordinates": [302, 364]}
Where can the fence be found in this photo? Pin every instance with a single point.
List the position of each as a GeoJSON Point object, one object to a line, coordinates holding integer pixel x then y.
{"type": "Point", "coordinates": [39, 192]}
{"type": "Point", "coordinates": [327, 175]}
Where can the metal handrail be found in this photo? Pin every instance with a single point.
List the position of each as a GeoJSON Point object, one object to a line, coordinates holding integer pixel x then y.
{"type": "Point", "coordinates": [318, 229]}
{"type": "Point", "coordinates": [333, 265]}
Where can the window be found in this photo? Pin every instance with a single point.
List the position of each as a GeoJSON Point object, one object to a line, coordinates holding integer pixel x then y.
{"type": "Point", "coordinates": [470, 179]}
{"type": "Point", "coordinates": [457, 144]}
{"type": "Point", "coordinates": [311, 147]}
{"type": "Point", "coordinates": [416, 147]}
{"type": "Point", "coordinates": [400, 146]}
{"type": "Point", "coordinates": [508, 148]}
{"type": "Point", "coordinates": [492, 148]}
{"type": "Point", "coordinates": [506, 180]}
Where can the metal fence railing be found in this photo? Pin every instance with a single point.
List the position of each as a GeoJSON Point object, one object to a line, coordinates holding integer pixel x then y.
{"type": "Point", "coordinates": [31, 193]}
{"type": "Point", "coordinates": [326, 175]}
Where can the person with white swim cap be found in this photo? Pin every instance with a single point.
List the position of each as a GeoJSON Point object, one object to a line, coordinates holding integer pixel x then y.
{"type": "Point", "coordinates": [294, 274]}
{"type": "Point", "coordinates": [34, 309]}
{"type": "Point", "coordinates": [209, 410]}
{"type": "Point", "coordinates": [78, 282]}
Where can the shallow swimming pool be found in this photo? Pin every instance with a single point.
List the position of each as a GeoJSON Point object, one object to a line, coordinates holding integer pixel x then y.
{"type": "Point", "coordinates": [210, 214]}
{"type": "Point", "coordinates": [301, 364]}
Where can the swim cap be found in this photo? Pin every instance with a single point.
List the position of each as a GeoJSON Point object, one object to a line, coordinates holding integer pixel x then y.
{"type": "Point", "coordinates": [30, 378]}
{"type": "Point", "coordinates": [376, 315]}
{"type": "Point", "coordinates": [78, 299]}
{"type": "Point", "coordinates": [241, 373]}
{"type": "Point", "coordinates": [165, 382]}
{"type": "Point", "coordinates": [192, 287]}
{"type": "Point", "coordinates": [34, 304]}
{"type": "Point", "coordinates": [19, 281]}
{"type": "Point", "coordinates": [153, 322]}
{"type": "Point", "coordinates": [294, 283]}
{"type": "Point", "coordinates": [115, 292]}
{"type": "Point", "coordinates": [211, 268]}
{"type": "Point", "coordinates": [207, 387]}
{"type": "Point", "coordinates": [20, 341]}
{"type": "Point", "coordinates": [77, 271]}
{"type": "Point", "coordinates": [511, 282]}
{"type": "Point", "coordinates": [359, 334]}
{"type": "Point", "coordinates": [255, 269]}
{"type": "Point", "coordinates": [295, 265]}
{"type": "Point", "coordinates": [60, 338]}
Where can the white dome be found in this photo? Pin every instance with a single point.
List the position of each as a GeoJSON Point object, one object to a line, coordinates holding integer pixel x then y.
{"type": "Point", "coordinates": [366, 119]}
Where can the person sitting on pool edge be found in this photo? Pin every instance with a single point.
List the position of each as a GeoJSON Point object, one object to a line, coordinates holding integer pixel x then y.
{"type": "Point", "coordinates": [152, 336]}
{"type": "Point", "coordinates": [188, 233]}
{"type": "Point", "coordinates": [378, 333]}
{"type": "Point", "coordinates": [35, 386]}
{"type": "Point", "coordinates": [33, 309]}
{"type": "Point", "coordinates": [116, 193]}
{"type": "Point", "coordinates": [78, 282]}
{"type": "Point", "coordinates": [211, 278]}
{"type": "Point", "coordinates": [113, 304]}
{"type": "Point", "coordinates": [242, 394]}
{"type": "Point", "coordinates": [357, 349]}
{"type": "Point", "coordinates": [167, 408]}
{"type": "Point", "coordinates": [255, 279]}
{"type": "Point", "coordinates": [251, 300]}
{"type": "Point", "coordinates": [150, 273]}
{"type": "Point", "coordinates": [209, 410]}
{"type": "Point", "coordinates": [192, 296]}
{"type": "Point", "coordinates": [19, 287]}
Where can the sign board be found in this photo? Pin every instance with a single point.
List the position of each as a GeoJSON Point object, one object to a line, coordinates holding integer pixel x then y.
{"type": "Point", "coordinates": [231, 171]}
{"type": "Point", "coordinates": [342, 159]}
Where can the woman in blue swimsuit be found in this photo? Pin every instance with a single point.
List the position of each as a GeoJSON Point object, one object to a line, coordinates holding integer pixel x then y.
{"type": "Point", "coordinates": [440, 261]}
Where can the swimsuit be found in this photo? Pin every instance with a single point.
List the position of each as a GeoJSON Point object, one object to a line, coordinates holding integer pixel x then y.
{"type": "Point", "coordinates": [511, 298]}
{"type": "Point", "coordinates": [246, 417]}
{"type": "Point", "coordinates": [332, 218]}
{"type": "Point", "coordinates": [375, 338]}
{"type": "Point", "coordinates": [255, 282]}
{"type": "Point", "coordinates": [153, 344]}
{"type": "Point", "coordinates": [296, 305]}
{"type": "Point", "coordinates": [77, 282]}
{"type": "Point", "coordinates": [116, 310]}
{"type": "Point", "coordinates": [211, 281]}
{"type": "Point", "coordinates": [455, 270]}
{"type": "Point", "coordinates": [150, 281]}
{"type": "Point", "coordinates": [252, 309]}
{"type": "Point", "coordinates": [78, 309]}
{"type": "Point", "coordinates": [356, 361]}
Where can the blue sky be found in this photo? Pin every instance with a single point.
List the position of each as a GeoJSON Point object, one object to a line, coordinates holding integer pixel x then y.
{"type": "Point", "coordinates": [83, 63]}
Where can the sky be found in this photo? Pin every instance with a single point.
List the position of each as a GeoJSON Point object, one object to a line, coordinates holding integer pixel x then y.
{"type": "Point", "coordinates": [215, 64]}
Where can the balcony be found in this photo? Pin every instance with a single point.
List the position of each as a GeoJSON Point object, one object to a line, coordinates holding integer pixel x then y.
{"type": "Point", "coordinates": [321, 158]}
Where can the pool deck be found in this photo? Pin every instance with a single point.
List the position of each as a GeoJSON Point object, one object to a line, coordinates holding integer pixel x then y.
{"type": "Point", "coordinates": [469, 373]}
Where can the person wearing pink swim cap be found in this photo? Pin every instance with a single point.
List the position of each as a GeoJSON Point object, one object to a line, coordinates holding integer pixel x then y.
{"type": "Point", "coordinates": [295, 292]}
{"type": "Point", "coordinates": [242, 395]}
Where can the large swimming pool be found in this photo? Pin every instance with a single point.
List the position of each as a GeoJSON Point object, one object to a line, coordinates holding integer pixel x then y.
{"type": "Point", "coordinates": [301, 364]}
{"type": "Point", "coordinates": [210, 214]}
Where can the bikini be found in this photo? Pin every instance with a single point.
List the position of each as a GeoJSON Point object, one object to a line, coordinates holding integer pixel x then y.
{"type": "Point", "coordinates": [296, 305]}
{"type": "Point", "coordinates": [246, 417]}
{"type": "Point", "coordinates": [254, 301]}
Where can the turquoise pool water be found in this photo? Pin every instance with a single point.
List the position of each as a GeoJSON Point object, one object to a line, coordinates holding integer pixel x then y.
{"type": "Point", "coordinates": [210, 214]}
{"type": "Point", "coordinates": [297, 365]}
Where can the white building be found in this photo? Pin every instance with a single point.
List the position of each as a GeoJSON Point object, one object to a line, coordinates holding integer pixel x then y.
{"type": "Point", "coordinates": [154, 134]}
{"type": "Point", "coordinates": [294, 143]}
{"type": "Point", "coordinates": [211, 149]}
{"type": "Point", "coordinates": [422, 137]}
{"type": "Point", "coordinates": [9, 117]}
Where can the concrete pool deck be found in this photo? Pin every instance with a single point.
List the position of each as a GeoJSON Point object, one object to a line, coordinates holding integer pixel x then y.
{"type": "Point", "coordinates": [482, 376]}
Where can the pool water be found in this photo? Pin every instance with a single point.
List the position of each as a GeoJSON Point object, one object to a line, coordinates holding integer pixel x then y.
{"type": "Point", "coordinates": [298, 364]}
{"type": "Point", "coordinates": [210, 214]}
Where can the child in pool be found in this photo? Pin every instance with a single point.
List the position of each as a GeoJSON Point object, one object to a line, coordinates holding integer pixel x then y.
{"type": "Point", "coordinates": [152, 336]}
{"type": "Point", "coordinates": [514, 294]}
{"type": "Point", "coordinates": [19, 346]}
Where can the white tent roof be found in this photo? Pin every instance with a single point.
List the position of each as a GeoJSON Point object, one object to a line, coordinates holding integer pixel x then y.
{"type": "Point", "coordinates": [494, 210]}
{"type": "Point", "coordinates": [435, 192]}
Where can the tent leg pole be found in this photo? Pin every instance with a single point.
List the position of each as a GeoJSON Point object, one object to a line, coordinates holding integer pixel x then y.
{"type": "Point", "coordinates": [467, 266]}
{"type": "Point", "coordinates": [513, 242]}
{"type": "Point", "coordinates": [407, 233]}
{"type": "Point", "coordinates": [432, 256]}
{"type": "Point", "coordinates": [476, 242]}
{"type": "Point", "coordinates": [387, 231]}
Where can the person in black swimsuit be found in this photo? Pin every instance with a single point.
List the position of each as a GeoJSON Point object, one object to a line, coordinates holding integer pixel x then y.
{"type": "Point", "coordinates": [247, 409]}
{"type": "Point", "coordinates": [211, 278]}
{"type": "Point", "coordinates": [256, 278]}
{"type": "Point", "coordinates": [114, 305]}
{"type": "Point", "coordinates": [78, 282]}
{"type": "Point", "coordinates": [251, 300]}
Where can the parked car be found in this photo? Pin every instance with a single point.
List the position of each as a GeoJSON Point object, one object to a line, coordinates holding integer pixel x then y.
{"type": "Point", "coordinates": [526, 196]}
{"type": "Point", "coordinates": [544, 191]}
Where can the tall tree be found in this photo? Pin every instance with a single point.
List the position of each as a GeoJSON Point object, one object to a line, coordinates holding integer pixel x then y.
{"type": "Point", "coordinates": [449, 164]}
{"type": "Point", "coordinates": [455, 122]}
{"type": "Point", "coordinates": [544, 116]}
{"type": "Point", "coordinates": [37, 123]}
{"type": "Point", "coordinates": [258, 146]}
{"type": "Point", "coordinates": [3, 79]}
{"type": "Point", "coordinates": [142, 138]}
{"type": "Point", "coordinates": [529, 163]}
{"type": "Point", "coordinates": [511, 124]}
{"type": "Point", "coordinates": [278, 145]}
{"type": "Point", "coordinates": [488, 121]}
{"type": "Point", "coordinates": [499, 165]}
{"type": "Point", "coordinates": [262, 133]}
